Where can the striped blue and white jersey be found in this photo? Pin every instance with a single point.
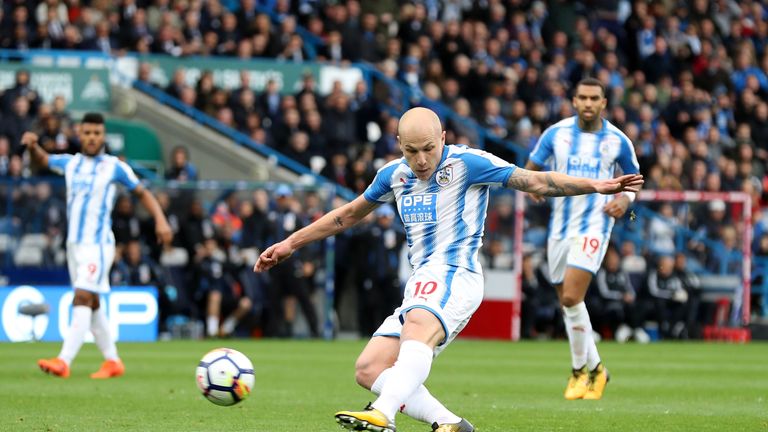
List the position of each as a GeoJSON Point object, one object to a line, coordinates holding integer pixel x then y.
{"type": "Point", "coordinates": [444, 216]}
{"type": "Point", "coordinates": [568, 149]}
{"type": "Point", "coordinates": [91, 194]}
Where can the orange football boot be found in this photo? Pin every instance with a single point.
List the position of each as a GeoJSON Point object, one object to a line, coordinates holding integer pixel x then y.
{"type": "Point", "coordinates": [109, 369]}
{"type": "Point", "coordinates": [54, 366]}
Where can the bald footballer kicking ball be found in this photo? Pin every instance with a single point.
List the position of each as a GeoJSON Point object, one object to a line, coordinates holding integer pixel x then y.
{"type": "Point", "coordinates": [225, 376]}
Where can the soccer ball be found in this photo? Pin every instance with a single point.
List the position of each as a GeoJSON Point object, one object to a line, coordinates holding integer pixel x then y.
{"type": "Point", "coordinates": [225, 376]}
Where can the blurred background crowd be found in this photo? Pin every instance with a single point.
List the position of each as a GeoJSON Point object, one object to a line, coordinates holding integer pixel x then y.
{"type": "Point", "coordinates": [686, 81]}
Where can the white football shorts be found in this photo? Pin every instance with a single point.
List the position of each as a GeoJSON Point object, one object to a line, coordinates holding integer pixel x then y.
{"type": "Point", "coordinates": [89, 266]}
{"type": "Point", "coordinates": [584, 251]}
{"type": "Point", "coordinates": [452, 294]}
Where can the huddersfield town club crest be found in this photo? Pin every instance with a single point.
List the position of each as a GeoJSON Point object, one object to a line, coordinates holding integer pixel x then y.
{"type": "Point", "coordinates": [445, 175]}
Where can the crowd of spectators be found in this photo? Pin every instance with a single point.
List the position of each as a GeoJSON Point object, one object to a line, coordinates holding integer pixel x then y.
{"type": "Point", "coordinates": [687, 82]}
{"type": "Point", "coordinates": [301, 126]}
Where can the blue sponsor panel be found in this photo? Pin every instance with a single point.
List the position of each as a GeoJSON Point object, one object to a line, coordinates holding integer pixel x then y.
{"type": "Point", "coordinates": [132, 313]}
{"type": "Point", "coordinates": [419, 208]}
{"type": "Point", "coordinates": [584, 166]}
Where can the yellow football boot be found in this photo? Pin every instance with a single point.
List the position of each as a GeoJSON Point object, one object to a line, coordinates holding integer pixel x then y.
{"type": "Point", "coordinates": [370, 419]}
{"type": "Point", "coordinates": [598, 379]}
{"type": "Point", "coordinates": [577, 384]}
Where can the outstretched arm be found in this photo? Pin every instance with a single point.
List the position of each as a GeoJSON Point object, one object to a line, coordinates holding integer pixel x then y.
{"type": "Point", "coordinates": [550, 183]}
{"type": "Point", "coordinates": [162, 228]}
{"type": "Point", "coordinates": [330, 224]}
{"type": "Point", "coordinates": [38, 155]}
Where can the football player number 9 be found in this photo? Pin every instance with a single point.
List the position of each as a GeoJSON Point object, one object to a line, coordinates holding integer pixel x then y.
{"type": "Point", "coordinates": [591, 245]}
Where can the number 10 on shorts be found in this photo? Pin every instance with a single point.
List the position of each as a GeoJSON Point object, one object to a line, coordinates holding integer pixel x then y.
{"type": "Point", "coordinates": [423, 289]}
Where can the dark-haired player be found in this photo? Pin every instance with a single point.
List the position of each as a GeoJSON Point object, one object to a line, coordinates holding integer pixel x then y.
{"type": "Point", "coordinates": [91, 176]}
{"type": "Point", "coordinates": [586, 146]}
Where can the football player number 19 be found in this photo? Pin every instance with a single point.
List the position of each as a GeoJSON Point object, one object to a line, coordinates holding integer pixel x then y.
{"type": "Point", "coordinates": [425, 289]}
{"type": "Point", "coordinates": [591, 245]}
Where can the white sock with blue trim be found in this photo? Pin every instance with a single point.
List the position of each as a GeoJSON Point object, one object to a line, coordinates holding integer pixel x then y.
{"type": "Point", "coordinates": [409, 372]}
{"type": "Point", "coordinates": [421, 405]}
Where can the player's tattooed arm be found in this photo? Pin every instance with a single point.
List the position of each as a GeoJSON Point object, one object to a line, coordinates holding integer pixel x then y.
{"type": "Point", "coordinates": [332, 222]}
{"type": "Point", "coordinates": [560, 187]}
{"type": "Point", "coordinates": [551, 183]}
{"type": "Point", "coordinates": [547, 183]}
{"type": "Point", "coordinates": [350, 214]}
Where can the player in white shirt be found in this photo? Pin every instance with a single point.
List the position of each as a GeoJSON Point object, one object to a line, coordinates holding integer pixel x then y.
{"type": "Point", "coordinates": [441, 194]}
{"type": "Point", "coordinates": [585, 146]}
{"type": "Point", "coordinates": [90, 177]}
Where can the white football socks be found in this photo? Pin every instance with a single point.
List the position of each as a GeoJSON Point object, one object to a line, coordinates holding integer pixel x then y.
{"type": "Point", "coordinates": [102, 335]}
{"type": "Point", "coordinates": [421, 405]}
{"type": "Point", "coordinates": [593, 357]}
{"type": "Point", "coordinates": [81, 323]}
{"type": "Point", "coordinates": [409, 372]}
{"type": "Point", "coordinates": [579, 328]}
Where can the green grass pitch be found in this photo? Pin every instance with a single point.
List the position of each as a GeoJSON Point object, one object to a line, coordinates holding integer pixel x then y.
{"type": "Point", "coordinates": [499, 386]}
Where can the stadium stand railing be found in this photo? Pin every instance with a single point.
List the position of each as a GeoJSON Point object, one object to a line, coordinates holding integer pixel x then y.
{"type": "Point", "coordinates": [118, 76]}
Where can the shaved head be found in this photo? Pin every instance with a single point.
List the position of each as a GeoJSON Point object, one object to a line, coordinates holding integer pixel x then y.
{"type": "Point", "coordinates": [421, 121]}
{"type": "Point", "coordinates": [422, 139]}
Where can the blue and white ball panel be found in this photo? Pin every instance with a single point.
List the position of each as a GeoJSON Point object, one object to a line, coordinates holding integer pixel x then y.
{"type": "Point", "coordinates": [452, 294]}
{"type": "Point", "coordinates": [225, 376]}
{"type": "Point", "coordinates": [585, 252]}
{"type": "Point", "coordinates": [89, 266]}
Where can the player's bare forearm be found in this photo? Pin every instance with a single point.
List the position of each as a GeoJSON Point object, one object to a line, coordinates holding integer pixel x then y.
{"type": "Point", "coordinates": [332, 223]}
{"type": "Point", "coordinates": [162, 228]}
{"type": "Point", "coordinates": [533, 166]}
{"type": "Point", "coordinates": [549, 183]}
{"type": "Point", "coordinates": [38, 155]}
{"type": "Point", "coordinates": [150, 203]}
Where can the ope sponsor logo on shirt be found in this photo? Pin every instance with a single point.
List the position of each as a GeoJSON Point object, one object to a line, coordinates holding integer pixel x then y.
{"type": "Point", "coordinates": [581, 166]}
{"type": "Point", "coordinates": [419, 208]}
{"type": "Point", "coordinates": [82, 183]}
